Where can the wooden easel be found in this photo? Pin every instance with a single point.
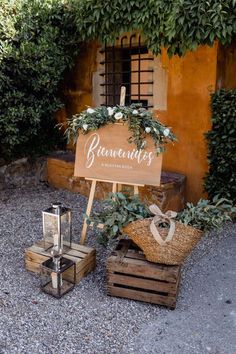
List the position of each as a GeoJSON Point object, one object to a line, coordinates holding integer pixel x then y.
{"type": "Point", "coordinates": [116, 186]}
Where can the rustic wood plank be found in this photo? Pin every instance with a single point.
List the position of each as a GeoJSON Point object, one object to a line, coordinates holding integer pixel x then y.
{"type": "Point", "coordinates": [141, 283]}
{"type": "Point", "coordinates": [145, 263]}
{"type": "Point", "coordinates": [34, 255]}
{"type": "Point", "coordinates": [85, 261]}
{"type": "Point", "coordinates": [31, 256]}
{"type": "Point", "coordinates": [83, 270]}
{"type": "Point", "coordinates": [74, 246]}
{"type": "Point", "coordinates": [142, 296]}
{"type": "Point", "coordinates": [38, 251]}
{"type": "Point", "coordinates": [140, 268]}
{"type": "Point", "coordinates": [81, 267]}
{"type": "Point", "coordinates": [32, 267]}
{"type": "Point", "coordinates": [135, 255]}
{"type": "Point", "coordinates": [76, 253]}
{"type": "Point", "coordinates": [133, 277]}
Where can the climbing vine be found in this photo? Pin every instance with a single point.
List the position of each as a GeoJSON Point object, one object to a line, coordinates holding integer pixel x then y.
{"type": "Point", "coordinates": [178, 25]}
{"type": "Point", "coordinates": [40, 39]}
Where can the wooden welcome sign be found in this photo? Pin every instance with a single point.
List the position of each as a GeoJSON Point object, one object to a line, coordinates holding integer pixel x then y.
{"type": "Point", "coordinates": [106, 154]}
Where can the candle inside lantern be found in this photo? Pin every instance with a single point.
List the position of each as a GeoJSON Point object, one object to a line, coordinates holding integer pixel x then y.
{"type": "Point", "coordinates": [57, 237]}
{"type": "Point", "coordinates": [57, 243]}
{"type": "Point", "coordinates": [54, 280]}
{"type": "Point", "coordinates": [56, 276]}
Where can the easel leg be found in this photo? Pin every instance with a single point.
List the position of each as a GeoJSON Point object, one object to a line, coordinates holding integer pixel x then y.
{"type": "Point", "coordinates": [136, 190]}
{"type": "Point", "coordinates": [88, 211]}
{"type": "Point", "coordinates": [114, 187]}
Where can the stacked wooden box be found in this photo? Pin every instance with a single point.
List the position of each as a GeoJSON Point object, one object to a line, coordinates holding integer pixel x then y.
{"type": "Point", "coordinates": [131, 276]}
{"type": "Point", "coordinates": [83, 256]}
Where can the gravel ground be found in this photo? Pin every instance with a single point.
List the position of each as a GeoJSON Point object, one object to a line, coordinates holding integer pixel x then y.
{"type": "Point", "coordinates": [86, 320]}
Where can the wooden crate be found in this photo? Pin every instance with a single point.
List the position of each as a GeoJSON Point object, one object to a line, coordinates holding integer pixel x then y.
{"type": "Point", "coordinates": [131, 276]}
{"type": "Point", "coordinates": [83, 256]}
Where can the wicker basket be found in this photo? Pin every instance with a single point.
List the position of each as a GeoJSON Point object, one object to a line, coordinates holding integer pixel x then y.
{"type": "Point", "coordinates": [174, 252]}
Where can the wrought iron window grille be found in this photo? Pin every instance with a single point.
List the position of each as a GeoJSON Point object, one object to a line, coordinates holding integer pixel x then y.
{"type": "Point", "coordinates": [130, 66]}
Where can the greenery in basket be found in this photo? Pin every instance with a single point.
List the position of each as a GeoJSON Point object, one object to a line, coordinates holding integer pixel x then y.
{"type": "Point", "coordinates": [140, 123]}
{"type": "Point", "coordinates": [119, 210]}
{"type": "Point", "coordinates": [207, 215]}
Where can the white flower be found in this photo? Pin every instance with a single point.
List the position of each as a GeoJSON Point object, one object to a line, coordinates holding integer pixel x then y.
{"type": "Point", "coordinates": [144, 143]}
{"type": "Point", "coordinates": [166, 132]}
{"type": "Point", "coordinates": [147, 130]}
{"type": "Point", "coordinates": [85, 126]}
{"type": "Point", "coordinates": [110, 111]}
{"type": "Point", "coordinates": [142, 114]}
{"type": "Point", "coordinates": [118, 115]}
{"type": "Point", "coordinates": [155, 130]}
{"type": "Point", "coordinates": [90, 110]}
{"type": "Point", "coordinates": [135, 112]}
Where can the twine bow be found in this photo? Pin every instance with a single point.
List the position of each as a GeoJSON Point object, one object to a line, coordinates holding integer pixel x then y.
{"type": "Point", "coordinates": [161, 217]}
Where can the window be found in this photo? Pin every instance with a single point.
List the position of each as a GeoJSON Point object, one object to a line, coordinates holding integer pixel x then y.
{"type": "Point", "coordinates": [127, 64]}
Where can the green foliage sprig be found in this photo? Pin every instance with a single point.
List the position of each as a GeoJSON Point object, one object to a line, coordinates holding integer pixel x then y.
{"type": "Point", "coordinates": [119, 210]}
{"type": "Point", "coordinates": [221, 178]}
{"type": "Point", "coordinates": [207, 215]}
{"type": "Point", "coordinates": [140, 123]}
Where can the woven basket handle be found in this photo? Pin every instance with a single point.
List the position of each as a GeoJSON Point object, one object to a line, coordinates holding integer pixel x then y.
{"type": "Point", "coordinates": [157, 219]}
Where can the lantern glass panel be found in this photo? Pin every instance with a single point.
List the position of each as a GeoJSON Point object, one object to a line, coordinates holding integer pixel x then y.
{"type": "Point", "coordinates": [57, 228]}
{"type": "Point", "coordinates": [57, 279]}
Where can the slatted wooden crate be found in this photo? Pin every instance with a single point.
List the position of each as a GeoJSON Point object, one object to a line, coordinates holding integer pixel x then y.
{"type": "Point", "coordinates": [83, 256]}
{"type": "Point", "coordinates": [131, 276]}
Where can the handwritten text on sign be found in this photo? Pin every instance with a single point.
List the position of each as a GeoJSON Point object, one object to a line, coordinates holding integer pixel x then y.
{"type": "Point", "coordinates": [106, 154]}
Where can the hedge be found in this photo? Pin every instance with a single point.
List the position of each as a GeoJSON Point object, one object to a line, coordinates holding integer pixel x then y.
{"type": "Point", "coordinates": [221, 178]}
{"type": "Point", "coordinates": [36, 46]}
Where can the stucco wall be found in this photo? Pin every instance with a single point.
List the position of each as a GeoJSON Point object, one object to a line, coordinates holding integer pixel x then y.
{"type": "Point", "coordinates": [190, 80]}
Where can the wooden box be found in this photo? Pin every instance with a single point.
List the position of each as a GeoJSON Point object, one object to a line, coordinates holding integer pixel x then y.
{"type": "Point", "coordinates": [83, 256]}
{"type": "Point", "coordinates": [131, 276]}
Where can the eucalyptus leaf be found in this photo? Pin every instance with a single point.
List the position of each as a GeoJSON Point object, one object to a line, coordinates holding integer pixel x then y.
{"type": "Point", "coordinates": [119, 210]}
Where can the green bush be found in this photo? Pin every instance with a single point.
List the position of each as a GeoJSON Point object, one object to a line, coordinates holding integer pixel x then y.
{"type": "Point", "coordinates": [221, 178]}
{"type": "Point", "coordinates": [36, 46]}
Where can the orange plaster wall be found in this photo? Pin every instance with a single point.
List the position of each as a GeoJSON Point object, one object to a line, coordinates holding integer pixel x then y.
{"type": "Point", "coordinates": [191, 79]}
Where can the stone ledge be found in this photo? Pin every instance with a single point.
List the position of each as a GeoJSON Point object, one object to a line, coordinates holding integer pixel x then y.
{"type": "Point", "coordinates": [169, 195]}
{"type": "Point", "coordinates": [23, 172]}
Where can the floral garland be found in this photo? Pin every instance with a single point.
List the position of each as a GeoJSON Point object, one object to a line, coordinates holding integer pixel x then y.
{"type": "Point", "coordinates": [140, 123]}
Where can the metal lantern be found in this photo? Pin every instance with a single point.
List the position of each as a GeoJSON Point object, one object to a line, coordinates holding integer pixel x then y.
{"type": "Point", "coordinates": [58, 276]}
{"type": "Point", "coordinates": [57, 228]}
